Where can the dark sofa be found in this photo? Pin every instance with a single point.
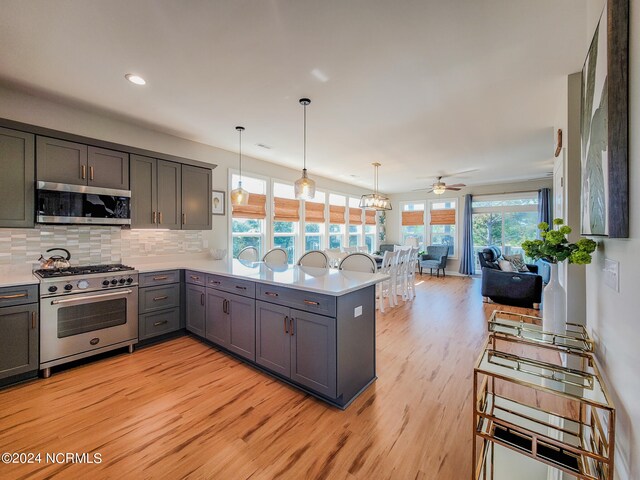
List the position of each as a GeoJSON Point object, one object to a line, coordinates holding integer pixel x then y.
{"type": "Point", "coordinates": [519, 289]}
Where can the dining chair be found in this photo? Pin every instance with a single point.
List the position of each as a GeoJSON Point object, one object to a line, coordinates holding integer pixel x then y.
{"type": "Point", "coordinates": [249, 254]}
{"type": "Point", "coordinates": [276, 255]}
{"type": "Point", "coordinates": [334, 255]}
{"type": "Point", "coordinates": [412, 261]}
{"type": "Point", "coordinates": [400, 283]}
{"type": "Point", "coordinates": [314, 258]}
{"type": "Point", "coordinates": [358, 262]}
{"type": "Point", "coordinates": [350, 249]}
{"type": "Point", "coordinates": [385, 288]}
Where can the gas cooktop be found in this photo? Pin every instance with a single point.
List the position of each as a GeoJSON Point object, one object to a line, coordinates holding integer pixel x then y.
{"type": "Point", "coordinates": [83, 270]}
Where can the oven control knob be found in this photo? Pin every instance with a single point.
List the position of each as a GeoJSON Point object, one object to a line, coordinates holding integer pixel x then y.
{"type": "Point", "coordinates": [105, 283]}
{"type": "Point", "coordinates": [129, 280]}
{"type": "Point", "coordinates": [83, 284]}
{"type": "Point", "coordinates": [114, 282]}
{"type": "Point", "coordinates": [122, 280]}
{"type": "Point", "coordinates": [53, 288]}
{"type": "Point", "coordinates": [68, 287]}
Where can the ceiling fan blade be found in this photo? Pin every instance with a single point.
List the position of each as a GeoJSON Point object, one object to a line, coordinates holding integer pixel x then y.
{"type": "Point", "coordinates": [452, 188]}
{"type": "Point", "coordinates": [457, 174]}
{"type": "Point", "coordinates": [457, 185]}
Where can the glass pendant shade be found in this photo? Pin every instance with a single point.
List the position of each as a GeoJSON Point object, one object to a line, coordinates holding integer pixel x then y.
{"type": "Point", "coordinates": [375, 200]}
{"type": "Point", "coordinates": [305, 188]}
{"type": "Point", "coordinates": [239, 196]}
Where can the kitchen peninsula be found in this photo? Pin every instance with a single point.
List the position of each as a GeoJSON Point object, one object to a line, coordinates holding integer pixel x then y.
{"type": "Point", "coordinates": [312, 328]}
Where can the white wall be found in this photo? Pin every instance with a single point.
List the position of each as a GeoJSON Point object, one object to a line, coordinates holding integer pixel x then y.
{"type": "Point", "coordinates": [393, 217]}
{"type": "Point", "coordinates": [614, 317]}
{"type": "Point", "coordinates": [22, 107]}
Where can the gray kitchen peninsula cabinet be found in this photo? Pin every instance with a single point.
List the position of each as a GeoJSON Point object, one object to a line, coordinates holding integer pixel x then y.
{"type": "Point", "coordinates": [195, 308]}
{"type": "Point", "coordinates": [17, 163]}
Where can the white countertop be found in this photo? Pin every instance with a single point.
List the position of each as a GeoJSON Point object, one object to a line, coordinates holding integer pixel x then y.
{"type": "Point", "coordinates": [320, 280]}
{"type": "Point", "coordinates": [14, 275]}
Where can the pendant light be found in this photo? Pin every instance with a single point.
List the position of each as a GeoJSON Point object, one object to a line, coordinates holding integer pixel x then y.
{"type": "Point", "coordinates": [375, 200]}
{"type": "Point", "coordinates": [305, 188]}
{"type": "Point", "coordinates": [239, 196]}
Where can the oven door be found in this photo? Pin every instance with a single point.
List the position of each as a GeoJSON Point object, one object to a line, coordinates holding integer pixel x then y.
{"type": "Point", "coordinates": [76, 325]}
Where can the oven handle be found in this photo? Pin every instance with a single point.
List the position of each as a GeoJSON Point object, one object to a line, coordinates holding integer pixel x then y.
{"type": "Point", "coordinates": [91, 297]}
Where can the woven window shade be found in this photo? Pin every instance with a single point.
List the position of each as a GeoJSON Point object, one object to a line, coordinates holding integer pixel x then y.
{"type": "Point", "coordinates": [370, 217]}
{"type": "Point", "coordinates": [313, 212]}
{"type": "Point", "coordinates": [286, 210]}
{"type": "Point", "coordinates": [443, 217]}
{"type": "Point", "coordinates": [256, 208]}
{"type": "Point", "coordinates": [415, 217]}
{"type": "Point", "coordinates": [336, 214]}
{"type": "Point", "coordinates": [355, 216]}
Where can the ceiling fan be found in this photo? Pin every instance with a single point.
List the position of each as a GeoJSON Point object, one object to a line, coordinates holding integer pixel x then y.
{"type": "Point", "coordinates": [439, 187]}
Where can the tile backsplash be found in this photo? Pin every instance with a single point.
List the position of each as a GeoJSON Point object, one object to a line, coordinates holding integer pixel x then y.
{"type": "Point", "coordinates": [93, 244]}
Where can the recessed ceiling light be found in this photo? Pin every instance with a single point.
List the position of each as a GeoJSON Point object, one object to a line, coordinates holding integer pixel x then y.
{"type": "Point", "coordinates": [137, 79]}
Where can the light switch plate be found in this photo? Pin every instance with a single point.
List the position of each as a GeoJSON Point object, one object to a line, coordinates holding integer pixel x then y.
{"type": "Point", "coordinates": [357, 311]}
{"type": "Point", "coordinates": [611, 274]}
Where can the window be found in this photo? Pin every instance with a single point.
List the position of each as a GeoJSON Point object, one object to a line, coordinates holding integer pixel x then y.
{"type": "Point", "coordinates": [370, 230]}
{"type": "Point", "coordinates": [248, 221]}
{"type": "Point", "coordinates": [286, 218]}
{"type": "Point", "coordinates": [442, 223]}
{"type": "Point", "coordinates": [505, 221]}
{"type": "Point", "coordinates": [314, 222]}
{"type": "Point", "coordinates": [412, 224]}
{"type": "Point", "coordinates": [337, 209]}
{"type": "Point", "coordinates": [355, 222]}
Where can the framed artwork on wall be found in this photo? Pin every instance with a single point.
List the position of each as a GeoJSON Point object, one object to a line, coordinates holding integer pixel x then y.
{"type": "Point", "coordinates": [604, 126]}
{"type": "Point", "coordinates": [217, 202]}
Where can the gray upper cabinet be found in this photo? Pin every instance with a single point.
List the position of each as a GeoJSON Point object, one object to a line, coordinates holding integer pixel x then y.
{"type": "Point", "coordinates": [108, 168]}
{"type": "Point", "coordinates": [195, 309]}
{"type": "Point", "coordinates": [156, 193]}
{"type": "Point", "coordinates": [17, 163]}
{"type": "Point", "coordinates": [313, 352]}
{"type": "Point", "coordinates": [60, 161]}
{"type": "Point", "coordinates": [196, 198]}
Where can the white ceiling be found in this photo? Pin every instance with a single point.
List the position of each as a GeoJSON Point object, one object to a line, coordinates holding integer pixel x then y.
{"type": "Point", "coordinates": [424, 87]}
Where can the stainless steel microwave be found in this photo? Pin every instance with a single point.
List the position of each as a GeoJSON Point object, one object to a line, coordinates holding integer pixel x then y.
{"type": "Point", "coordinates": [81, 204]}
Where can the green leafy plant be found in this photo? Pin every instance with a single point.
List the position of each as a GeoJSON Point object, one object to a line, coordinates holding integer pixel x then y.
{"type": "Point", "coordinates": [554, 246]}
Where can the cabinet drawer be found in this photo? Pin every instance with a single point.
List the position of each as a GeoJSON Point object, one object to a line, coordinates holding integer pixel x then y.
{"type": "Point", "coordinates": [159, 278]}
{"type": "Point", "coordinates": [151, 299]}
{"type": "Point", "coordinates": [232, 285]}
{"type": "Point", "coordinates": [307, 301]}
{"type": "Point", "coordinates": [157, 323]}
{"type": "Point", "coordinates": [19, 295]}
{"type": "Point", "coordinates": [195, 278]}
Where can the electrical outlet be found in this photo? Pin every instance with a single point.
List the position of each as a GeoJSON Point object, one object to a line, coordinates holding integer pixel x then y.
{"type": "Point", "coordinates": [357, 311]}
{"type": "Point", "coordinates": [611, 273]}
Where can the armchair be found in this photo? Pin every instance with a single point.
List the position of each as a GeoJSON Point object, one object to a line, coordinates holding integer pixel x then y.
{"type": "Point", "coordinates": [520, 289]}
{"type": "Point", "coordinates": [436, 257]}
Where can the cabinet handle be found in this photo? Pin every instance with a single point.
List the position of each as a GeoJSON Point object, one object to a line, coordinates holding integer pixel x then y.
{"type": "Point", "coordinates": [160, 217]}
{"type": "Point", "coordinates": [194, 277]}
{"type": "Point", "coordinates": [157, 324]}
{"type": "Point", "coordinates": [271, 294]}
{"type": "Point", "coordinates": [214, 282]}
{"type": "Point", "coordinates": [153, 218]}
{"type": "Point", "coordinates": [83, 171]}
{"type": "Point", "coordinates": [311, 302]}
{"type": "Point", "coordinates": [291, 326]}
{"type": "Point", "coordinates": [90, 173]}
{"type": "Point", "coordinates": [15, 295]}
{"type": "Point", "coordinates": [163, 297]}
{"type": "Point", "coordinates": [240, 287]}
{"type": "Point", "coordinates": [202, 299]}
{"type": "Point", "coordinates": [226, 306]}
{"type": "Point", "coordinates": [286, 320]}
{"type": "Point", "coordinates": [162, 277]}
{"type": "Point", "coordinates": [184, 218]}
{"type": "Point", "coordinates": [33, 320]}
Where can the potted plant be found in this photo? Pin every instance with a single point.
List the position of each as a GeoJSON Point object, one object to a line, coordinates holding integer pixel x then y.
{"type": "Point", "coordinates": [554, 247]}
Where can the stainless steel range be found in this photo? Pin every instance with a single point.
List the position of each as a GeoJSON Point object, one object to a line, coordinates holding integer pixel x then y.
{"type": "Point", "coordinates": [85, 311]}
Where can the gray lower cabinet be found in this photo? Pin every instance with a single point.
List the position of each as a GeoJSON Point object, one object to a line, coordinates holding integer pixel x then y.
{"type": "Point", "coordinates": [159, 303]}
{"type": "Point", "coordinates": [17, 163]}
{"type": "Point", "coordinates": [196, 198]}
{"type": "Point", "coordinates": [231, 322]}
{"type": "Point", "coordinates": [19, 339]}
{"type": "Point", "coordinates": [298, 345]}
{"type": "Point", "coordinates": [195, 308]}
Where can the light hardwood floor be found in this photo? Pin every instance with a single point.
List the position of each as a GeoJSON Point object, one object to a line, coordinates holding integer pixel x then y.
{"type": "Point", "coordinates": [182, 409]}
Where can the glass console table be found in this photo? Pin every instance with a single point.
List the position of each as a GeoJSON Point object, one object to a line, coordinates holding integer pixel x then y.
{"type": "Point", "coordinates": [540, 404]}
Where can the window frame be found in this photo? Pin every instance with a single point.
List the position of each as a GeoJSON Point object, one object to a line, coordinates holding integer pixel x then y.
{"type": "Point", "coordinates": [264, 223]}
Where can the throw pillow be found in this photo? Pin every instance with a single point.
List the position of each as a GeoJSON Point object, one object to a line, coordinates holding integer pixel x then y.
{"type": "Point", "coordinates": [506, 266]}
{"type": "Point", "coordinates": [518, 262]}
